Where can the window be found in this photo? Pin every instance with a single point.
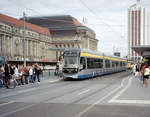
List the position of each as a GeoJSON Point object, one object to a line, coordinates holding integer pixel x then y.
{"type": "Point", "coordinates": [121, 64]}
{"type": "Point", "coordinates": [94, 63]}
{"type": "Point", "coordinates": [83, 62]}
{"type": "Point", "coordinates": [113, 64]}
{"type": "Point", "coordinates": [117, 63]}
{"type": "Point", "coordinates": [124, 63]}
{"type": "Point", "coordinates": [107, 63]}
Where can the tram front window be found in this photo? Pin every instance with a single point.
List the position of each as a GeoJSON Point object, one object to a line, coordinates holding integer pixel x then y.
{"type": "Point", "coordinates": [70, 62]}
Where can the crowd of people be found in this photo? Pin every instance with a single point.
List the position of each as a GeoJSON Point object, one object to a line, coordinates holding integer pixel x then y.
{"type": "Point", "coordinates": [142, 71]}
{"type": "Point", "coordinates": [21, 75]}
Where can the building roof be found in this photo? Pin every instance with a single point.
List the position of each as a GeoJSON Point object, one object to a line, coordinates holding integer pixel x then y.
{"type": "Point", "coordinates": [20, 23]}
{"type": "Point", "coordinates": [61, 22]}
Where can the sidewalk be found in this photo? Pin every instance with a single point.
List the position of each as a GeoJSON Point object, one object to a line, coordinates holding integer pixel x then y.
{"type": "Point", "coordinates": [46, 77]}
{"type": "Point", "coordinates": [133, 93]}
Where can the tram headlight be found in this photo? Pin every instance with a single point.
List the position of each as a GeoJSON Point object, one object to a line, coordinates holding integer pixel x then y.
{"type": "Point", "coordinates": [76, 70]}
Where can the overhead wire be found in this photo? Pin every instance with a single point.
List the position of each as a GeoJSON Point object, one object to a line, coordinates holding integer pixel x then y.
{"type": "Point", "coordinates": [99, 18]}
{"type": "Point", "coordinates": [44, 17]}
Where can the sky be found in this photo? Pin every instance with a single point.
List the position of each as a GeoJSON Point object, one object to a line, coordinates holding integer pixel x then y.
{"type": "Point", "coordinates": [107, 18]}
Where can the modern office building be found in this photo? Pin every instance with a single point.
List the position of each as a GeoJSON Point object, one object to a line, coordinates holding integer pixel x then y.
{"type": "Point", "coordinates": [138, 28]}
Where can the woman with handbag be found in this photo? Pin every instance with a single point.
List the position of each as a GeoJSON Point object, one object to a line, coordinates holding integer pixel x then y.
{"type": "Point", "coordinates": [146, 75]}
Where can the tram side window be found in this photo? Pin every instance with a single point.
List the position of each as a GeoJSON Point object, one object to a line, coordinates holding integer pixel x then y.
{"type": "Point", "coordinates": [124, 63]}
{"type": "Point", "coordinates": [121, 64]}
{"type": "Point", "coordinates": [83, 62]}
{"type": "Point", "coordinates": [107, 63]}
{"type": "Point", "coordinates": [113, 64]}
{"type": "Point", "coordinates": [90, 63]}
{"type": "Point", "coordinates": [117, 64]}
{"type": "Point", "coordinates": [100, 63]}
{"type": "Point", "coordinates": [94, 63]}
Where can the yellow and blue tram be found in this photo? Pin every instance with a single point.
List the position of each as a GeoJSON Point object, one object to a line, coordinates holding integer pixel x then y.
{"type": "Point", "coordinates": [82, 64]}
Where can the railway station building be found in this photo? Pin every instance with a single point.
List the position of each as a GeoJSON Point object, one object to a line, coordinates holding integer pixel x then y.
{"type": "Point", "coordinates": [38, 40]}
{"type": "Point", "coordinates": [67, 32]}
{"type": "Point", "coordinates": [46, 38]}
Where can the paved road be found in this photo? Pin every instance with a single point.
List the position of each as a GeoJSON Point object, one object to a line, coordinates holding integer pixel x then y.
{"type": "Point", "coordinates": [58, 98]}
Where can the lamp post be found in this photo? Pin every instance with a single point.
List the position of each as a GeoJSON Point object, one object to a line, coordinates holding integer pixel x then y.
{"type": "Point", "coordinates": [24, 38]}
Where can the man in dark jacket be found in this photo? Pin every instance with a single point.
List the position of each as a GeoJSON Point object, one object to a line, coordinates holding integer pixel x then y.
{"type": "Point", "coordinates": [37, 73]}
{"type": "Point", "coordinates": [7, 75]}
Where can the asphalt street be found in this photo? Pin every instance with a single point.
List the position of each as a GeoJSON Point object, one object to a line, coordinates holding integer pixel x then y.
{"type": "Point", "coordinates": [54, 97]}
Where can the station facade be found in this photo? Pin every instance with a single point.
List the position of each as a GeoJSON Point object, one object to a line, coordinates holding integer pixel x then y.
{"type": "Point", "coordinates": [55, 32]}
{"type": "Point", "coordinates": [67, 32]}
{"type": "Point", "coordinates": [38, 40]}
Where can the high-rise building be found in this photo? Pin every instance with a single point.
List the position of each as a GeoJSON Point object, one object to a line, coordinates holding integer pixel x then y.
{"type": "Point", "coordinates": [138, 28]}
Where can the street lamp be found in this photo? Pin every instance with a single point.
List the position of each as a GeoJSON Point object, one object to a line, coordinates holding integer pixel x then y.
{"type": "Point", "coordinates": [24, 39]}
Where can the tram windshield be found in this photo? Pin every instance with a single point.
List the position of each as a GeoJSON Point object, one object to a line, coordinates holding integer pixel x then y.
{"type": "Point", "coordinates": [70, 61]}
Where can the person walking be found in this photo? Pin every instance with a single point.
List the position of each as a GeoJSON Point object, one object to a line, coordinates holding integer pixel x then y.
{"type": "Point", "coordinates": [142, 72]}
{"type": "Point", "coordinates": [37, 73]}
{"type": "Point", "coordinates": [146, 75]}
{"type": "Point", "coordinates": [7, 75]}
{"type": "Point", "coordinates": [1, 76]}
{"type": "Point", "coordinates": [134, 69]}
{"type": "Point", "coordinates": [31, 75]}
{"type": "Point", "coordinates": [16, 74]}
{"type": "Point", "coordinates": [25, 73]}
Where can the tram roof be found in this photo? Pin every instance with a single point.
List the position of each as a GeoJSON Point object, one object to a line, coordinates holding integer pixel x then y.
{"type": "Point", "coordinates": [92, 52]}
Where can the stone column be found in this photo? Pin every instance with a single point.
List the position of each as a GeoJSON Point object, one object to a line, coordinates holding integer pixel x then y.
{"type": "Point", "coordinates": [4, 45]}
{"type": "Point", "coordinates": [1, 45]}
{"type": "Point", "coordinates": [31, 49]}
{"type": "Point", "coordinates": [27, 54]}
{"type": "Point", "coordinates": [36, 49]}
{"type": "Point", "coordinates": [10, 45]}
{"type": "Point", "coordinates": [7, 45]}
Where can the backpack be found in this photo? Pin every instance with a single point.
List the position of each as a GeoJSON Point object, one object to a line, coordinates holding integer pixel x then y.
{"type": "Point", "coordinates": [27, 71]}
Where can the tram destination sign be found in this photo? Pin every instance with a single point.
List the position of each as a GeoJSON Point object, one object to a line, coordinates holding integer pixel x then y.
{"type": "Point", "coordinates": [69, 53]}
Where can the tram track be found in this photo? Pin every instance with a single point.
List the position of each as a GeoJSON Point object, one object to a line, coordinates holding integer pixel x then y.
{"type": "Point", "coordinates": [36, 90]}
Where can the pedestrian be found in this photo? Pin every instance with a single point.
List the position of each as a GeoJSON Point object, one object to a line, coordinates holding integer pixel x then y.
{"type": "Point", "coordinates": [25, 73]}
{"type": "Point", "coordinates": [60, 68]}
{"type": "Point", "coordinates": [57, 68]}
{"type": "Point", "coordinates": [142, 71]}
{"type": "Point", "coordinates": [1, 76]}
{"type": "Point", "coordinates": [134, 69]}
{"type": "Point", "coordinates": [16, 75]}
{"type": "Point", "coordinates": [31, 74]}
{"type": "Point", "coordinates": [21, 78]}
{"type": "Point", "coordinates": [11, 68]}
{"type": "Point", "coordinates": [37, 73]}
{"type": "Point", "coordinates": [146, 75]}
{"type": "Point", "coordinates": [7, 75]}
{"type": "Point", "coordinates": [137, 69]}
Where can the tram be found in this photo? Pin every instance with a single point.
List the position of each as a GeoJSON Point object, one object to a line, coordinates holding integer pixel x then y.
{"type": "Point", "coordinates": [81, 64]}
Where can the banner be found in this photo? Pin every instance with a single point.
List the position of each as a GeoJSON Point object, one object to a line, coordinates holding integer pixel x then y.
{"type": "Point", "coordinates": [2, 60]}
